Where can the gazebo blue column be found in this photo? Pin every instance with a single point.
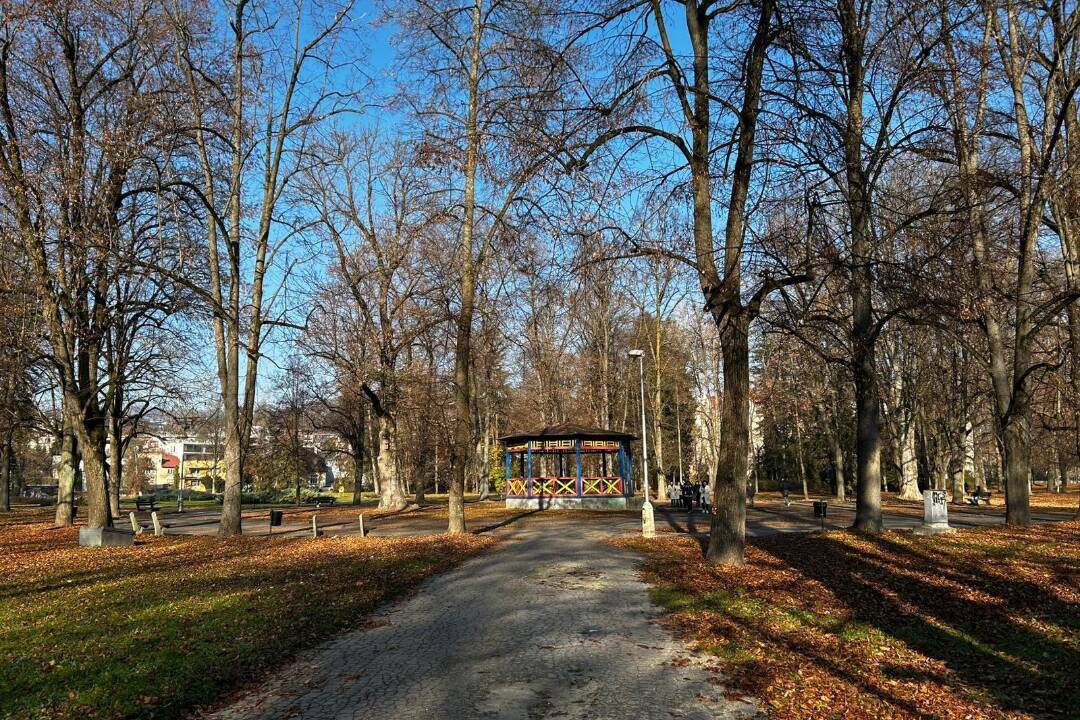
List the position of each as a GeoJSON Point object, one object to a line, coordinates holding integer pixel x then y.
{"type": "Point", "coordinates": [506, 474]}
{"type": "Point", "coordinates": [626, 469]}
{"type": "Point", "coordinates": [577, 451]}
{"type": "Point", "coordinates": [528, 465]}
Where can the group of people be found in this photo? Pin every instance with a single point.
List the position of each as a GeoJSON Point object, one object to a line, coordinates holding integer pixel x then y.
{"type": "Point", "coordinates": [690, 495]}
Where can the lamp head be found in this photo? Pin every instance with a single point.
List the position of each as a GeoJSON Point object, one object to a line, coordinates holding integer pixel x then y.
{"type": "Point", "coordinates": [636, 353]}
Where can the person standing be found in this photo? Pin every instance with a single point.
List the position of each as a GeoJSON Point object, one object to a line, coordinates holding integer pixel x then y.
{"type": "Point", "coordinates": [785, 491]}
{"type": "Point", "coordinates": [688, 497]}
{"type": "Point", "coordinates": [706, 497]}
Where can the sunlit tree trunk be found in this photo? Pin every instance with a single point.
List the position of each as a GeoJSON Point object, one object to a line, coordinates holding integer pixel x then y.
{"type": "Point", "coordinates": [463, 435]}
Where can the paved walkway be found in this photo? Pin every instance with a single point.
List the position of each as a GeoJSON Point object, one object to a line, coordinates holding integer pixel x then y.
{"type": "Point", "coordinates": [553, 624]}
{"type": "Point", "coordinates": [768, 517]}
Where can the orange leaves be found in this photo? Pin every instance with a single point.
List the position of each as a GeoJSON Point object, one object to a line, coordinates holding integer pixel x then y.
{"type": "Point", "coordinates": [980, 624]}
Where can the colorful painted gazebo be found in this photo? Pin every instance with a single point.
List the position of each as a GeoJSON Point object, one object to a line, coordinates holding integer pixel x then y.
{"type": "Point", "coordinates": [570, 466]}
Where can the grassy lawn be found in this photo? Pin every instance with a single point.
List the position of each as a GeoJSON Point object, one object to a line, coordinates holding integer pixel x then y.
{"type": "Point", "coordinates": [170, 624]}
{"type": "Point", "coordinates": [979, 624]}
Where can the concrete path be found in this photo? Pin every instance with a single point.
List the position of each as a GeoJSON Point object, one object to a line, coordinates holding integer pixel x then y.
{"type": "Point", "coordinates": [552, 624]}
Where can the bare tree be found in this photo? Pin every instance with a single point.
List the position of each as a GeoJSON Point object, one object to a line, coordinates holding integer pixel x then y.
{"type": "Point", "coordinates": [261, 123]}
{"type": "Point", "coordinates": [80, 88]}
{"type": "Point", "coordinates": [374, 208]}
{"type": "Point", "coordinates": [694, 92]}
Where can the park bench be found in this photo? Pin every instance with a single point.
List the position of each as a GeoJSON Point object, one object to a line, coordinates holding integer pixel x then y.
{"type": "Point", "coordinates": [148, 501]}
{"type": "Point", "coordinates": [331, 502]}
{"type": "Point", "coordinates": [978, 496]}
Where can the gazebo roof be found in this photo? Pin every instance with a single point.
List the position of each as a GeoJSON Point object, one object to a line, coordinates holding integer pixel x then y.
{"type": "Point", "coordinates": [568, 430]}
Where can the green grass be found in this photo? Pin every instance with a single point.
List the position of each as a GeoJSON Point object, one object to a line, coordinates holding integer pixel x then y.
{"type": "Point", "coordinates": [166, 626]}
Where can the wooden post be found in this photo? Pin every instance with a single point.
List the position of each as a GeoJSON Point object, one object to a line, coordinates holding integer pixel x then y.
{"type": "Point", "coordinates": [135, 526]}
{"type": "Point", "coordinates": [158, 529]}
{"type": "Point", "coordinates": [314, 526]}
{"type": "Point", "coordinates": [362, 531]}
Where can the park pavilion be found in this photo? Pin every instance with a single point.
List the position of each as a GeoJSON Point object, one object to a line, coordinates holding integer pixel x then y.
{"type": "Point", "coordinates": [569, 466]}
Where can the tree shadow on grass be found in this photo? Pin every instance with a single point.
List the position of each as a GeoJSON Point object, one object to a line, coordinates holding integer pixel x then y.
{"type": "Point", "coordinates": [982, 643]}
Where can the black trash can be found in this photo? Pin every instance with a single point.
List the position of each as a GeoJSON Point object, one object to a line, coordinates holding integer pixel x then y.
{"type": "Point", "coordinates": [821, 508]}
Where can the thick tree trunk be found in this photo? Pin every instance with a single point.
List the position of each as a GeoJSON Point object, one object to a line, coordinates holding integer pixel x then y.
{"type": "Point", "coordinates": [391, 489]}
{"type": "Point", "coordinates": [867, 447]}
{"type": "Point", "coordinates": [1017, 474]}
{"type": "Point", "coordinates": [89, 429]}
{"type": "Point", "coordinates": [727, 534]}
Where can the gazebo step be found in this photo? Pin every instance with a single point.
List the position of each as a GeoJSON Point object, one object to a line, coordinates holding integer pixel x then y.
{"type": "Point", "coordinates": [576, 503]}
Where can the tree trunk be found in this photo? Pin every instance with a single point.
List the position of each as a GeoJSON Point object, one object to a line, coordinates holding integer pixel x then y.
{"type": "Point", "coordinates": [232, 495]}
{"type": "Point", "coordinates": [5, 474]}
{"type": "Point", "coordinates": [391, 490]}
{"type": "Point", "coordinates": [116, 469]}
{"type": "Point", "coordinates": [469, 271]}
{"type": "Point", "coordinates": [799, 450]}
{"type": "Point", "coordinates": [89, 429]}
{"type": "Point", "coordinates": [727, 535]}
{"type": "Point", "coordinates": [958, 490]}
{"type": "Point", "coordinates": [863, 330]}
{"type": "Point", "coordinates": [485, 465]}
{"type": "Point", "coordinates": [358, 478]}
{"type": "Point", "coordinates": [838, 465]}
{"type": "Point", "coordinates": [727, 532]}
{"type": "Point", "coordinates": [909, 464]}
{"type": "Point", "coordinates": [1017, 473]}
{"type": "Point", "coordinates": [421, 486]}
{"type": "Point", "coordinates": [67, 475]}
{"type": "Point", "coordinates": [659, 476]}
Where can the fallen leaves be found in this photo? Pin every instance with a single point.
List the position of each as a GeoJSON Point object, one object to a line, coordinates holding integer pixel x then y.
{"type": "Point", "coordinates": [980, 624]}
{"type": "Point", "coordinates": [155, 629]}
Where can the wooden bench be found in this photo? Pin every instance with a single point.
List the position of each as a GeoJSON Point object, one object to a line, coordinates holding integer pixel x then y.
{"type": "Point", "coordinates": [331, 502]}
{"type": "Point", "coordinates": [977, 496]}
{"type": "Point", "coordinates": [145, 502]}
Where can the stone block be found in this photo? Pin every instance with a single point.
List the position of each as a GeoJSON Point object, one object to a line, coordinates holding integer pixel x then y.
{"type": "Point", "coordinates": [935, 513]}
{"type": "Point", "coordinates": [105, 537]}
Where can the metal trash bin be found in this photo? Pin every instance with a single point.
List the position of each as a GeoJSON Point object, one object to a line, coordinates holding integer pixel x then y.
{"type": "Point", "coordinates": [275, 519]}
{"type": "Point", "coordinates": [821, 509]}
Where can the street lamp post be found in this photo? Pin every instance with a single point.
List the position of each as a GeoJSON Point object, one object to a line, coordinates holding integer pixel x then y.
{"type": "Point", "coordinates": [648, 523]}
